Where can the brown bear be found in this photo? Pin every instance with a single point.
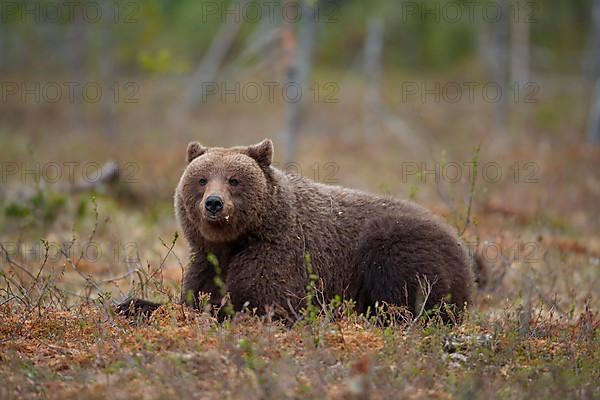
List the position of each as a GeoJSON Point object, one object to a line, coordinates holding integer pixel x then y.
{"type": "Point", "coordinates": [260, 224]}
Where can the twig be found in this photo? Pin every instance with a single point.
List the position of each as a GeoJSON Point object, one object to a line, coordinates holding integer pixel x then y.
{"type": "Point", "coordinates": [8, 300]}
{"type": "Point", "coordinates": [118, 278]}
{"type": "Point", "coordinates": [426, 289]}
{"type": "Point", "coordinates": [21, 288]}
{"type": "Point", "coordinates": [85, 277]}
{"type": "Point", "coordinates": [15, 264]}
{"type": "Point", "coordinates": [475, 163]}
{"type": "Point", "coordinates": [169, 250]}
{"type": "Point", "coordinates": [92, 233]}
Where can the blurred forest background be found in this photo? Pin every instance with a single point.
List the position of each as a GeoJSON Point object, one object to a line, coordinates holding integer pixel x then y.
{"type": "Point", "coordinates": [488, 112]}
{"type": "Point", "coordinates": [421, 74]}
{"type": "Point", "coordinates": [394, 82]}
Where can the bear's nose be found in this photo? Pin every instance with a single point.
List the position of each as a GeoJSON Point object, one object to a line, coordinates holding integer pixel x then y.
{"type": "Point", "coordinates": [214, 204]}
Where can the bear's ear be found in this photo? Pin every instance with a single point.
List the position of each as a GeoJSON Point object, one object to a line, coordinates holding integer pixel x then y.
{"type": "Point", "coordinates": [262, 152]}
{"type": "Point", "coordinates": [194, 150]}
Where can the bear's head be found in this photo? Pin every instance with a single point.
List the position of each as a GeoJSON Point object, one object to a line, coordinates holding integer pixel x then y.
{"type": "Point", "coordinates": [224, 192]}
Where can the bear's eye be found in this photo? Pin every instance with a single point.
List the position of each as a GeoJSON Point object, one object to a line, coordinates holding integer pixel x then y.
{"type": "Point", "coordinates": [202, 181]}
{"type": "Point", "coordinates": [233, 182]}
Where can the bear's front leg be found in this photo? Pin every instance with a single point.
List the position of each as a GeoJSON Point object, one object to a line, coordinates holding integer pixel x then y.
{"type": "Point", "coordinates": [199, 277]}
{"type": "Point", "coordinates": [135, 308]}
{"type": "Point", "coordinates": [264, 279]}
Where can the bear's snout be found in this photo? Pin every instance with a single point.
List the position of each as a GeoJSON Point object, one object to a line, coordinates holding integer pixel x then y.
{"type": "Point", "coordinates": [213, 203]}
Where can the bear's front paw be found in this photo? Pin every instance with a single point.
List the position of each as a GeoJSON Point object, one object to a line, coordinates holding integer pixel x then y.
{"type": "Point", "coordinates": [134, 308]}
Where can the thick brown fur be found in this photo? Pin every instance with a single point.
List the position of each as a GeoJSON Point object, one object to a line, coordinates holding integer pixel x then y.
{"type": "Point", "coordinates": [362, 246]}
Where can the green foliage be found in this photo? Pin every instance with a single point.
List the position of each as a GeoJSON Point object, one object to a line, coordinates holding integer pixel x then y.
{"type": "Point", "coordinates": [82, 208]}
{"type": "Point", "coordinates": [249, 354]}
{"type": "Point", "coordinates": [40, 209]}
{"type": "Point", "coordinates": [30, 370]}
{"type": "Point", "coordinates": [114, 367]}
{"type": "Point", "coordinates": [311, 310]}
{"type": "Point", "coordinates": [172, 36]}
{"type": "Point", "coordinates": [162, 61]}
{"type": "Point", "coordinates": [220, 284]}
{"type": "Point", "coordinates": [15, 210]}
{"type": "Point", "coordinates": [413, 192]}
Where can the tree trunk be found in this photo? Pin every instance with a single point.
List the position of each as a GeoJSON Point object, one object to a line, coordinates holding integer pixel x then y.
{"type": "Point", "coordinates": [594, 123]}
{"type": "Point", "coordinates": [297, 74]}
{"type": "Point", "coordinates": [373, 71]}
{"type": "Point", "coordinates": [78, 43]}
{"type": "Point", "coordinates": [207, 69]}
{"type": "Point", "coordinates": [494, 49]}
{"type": "Point", "coordinates": [594, 72]}
{"type": "Point", "coordinates": [501, 72]}
{"type": "Point", "coordinates": [110, 97]}
{"type": "Point", "coordinates": [519, 65]}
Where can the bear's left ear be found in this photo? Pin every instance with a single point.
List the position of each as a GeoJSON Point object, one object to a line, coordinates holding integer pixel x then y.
{"type": "Point", "coordinates": [194, 150]}
{"type": "Point", "coordinates": [262, 152]}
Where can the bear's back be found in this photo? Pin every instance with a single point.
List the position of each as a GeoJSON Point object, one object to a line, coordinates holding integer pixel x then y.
{"type": "Point", "coordinates": [331, 219]}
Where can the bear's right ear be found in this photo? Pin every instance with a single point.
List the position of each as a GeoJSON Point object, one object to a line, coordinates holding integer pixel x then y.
{"type": "Point", "coordinates": [194, 150]}
{"type": "Point", "coordinates": [262, 152]}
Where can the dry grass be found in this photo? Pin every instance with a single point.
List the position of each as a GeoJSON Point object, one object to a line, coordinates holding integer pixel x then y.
{"type": "Point", "coordinates": [87, 353]}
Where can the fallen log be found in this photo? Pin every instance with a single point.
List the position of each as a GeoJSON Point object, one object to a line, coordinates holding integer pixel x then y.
{"type": "Point", "coordinates": [109, 174]}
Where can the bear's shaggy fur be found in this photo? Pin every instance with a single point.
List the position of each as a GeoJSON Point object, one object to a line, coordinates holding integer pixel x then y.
{"type": "Point", "coordinates": [361, 246]}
